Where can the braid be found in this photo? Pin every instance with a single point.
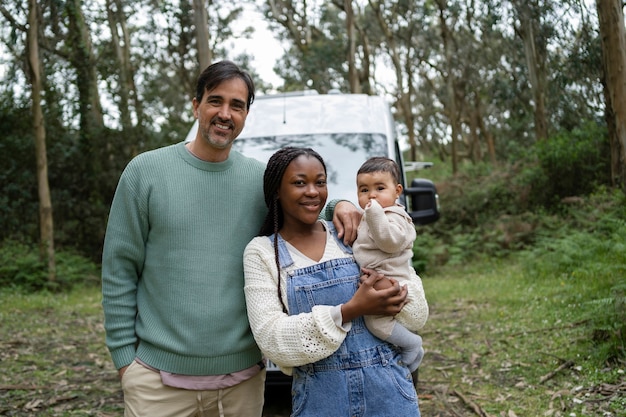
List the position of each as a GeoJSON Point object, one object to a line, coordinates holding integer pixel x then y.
{"type": "Point", "coordinates": [274, 172]}
{"type": "Point", "coordinates": [276, 257]}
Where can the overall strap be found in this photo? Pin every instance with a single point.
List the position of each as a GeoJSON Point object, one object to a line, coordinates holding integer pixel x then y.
{"type": "Point", "coordinates": [333, 231]}
{"type": "Point", "coordinates": [284, 256]}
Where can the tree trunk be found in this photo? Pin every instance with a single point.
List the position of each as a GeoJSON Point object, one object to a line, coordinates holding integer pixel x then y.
{"type": "Point", "coordinates": [46, 228]}
{"type": "Point", "coordinates": [403, 98]}
{"type": "Point", "coordinates": [201, 19]}
{"type": "Point", "coordinates": [113, 14]}
{"type": "Point", "coordinates": [92, 140]}
{"type": "Point", "coordinates": [536, 70]}
{"type": "Point", "coordinates": [120, 41]}
{"type": "Point", "coordinates": [451, 105]}
{"type": "Point", "coordinates": [491, 147]}
{"type": "Point", "coordinates": [83, 61]}
{"type": "Point", "coordinates": [613, 38]}
{"type": "Point", "coordinates": [361, 83]}
{"type": "Point", "coordinates": [353, 77]}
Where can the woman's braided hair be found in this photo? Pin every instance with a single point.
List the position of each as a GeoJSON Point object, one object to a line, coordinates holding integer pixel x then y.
{"type": "Point", "coordinates": [273, 176]}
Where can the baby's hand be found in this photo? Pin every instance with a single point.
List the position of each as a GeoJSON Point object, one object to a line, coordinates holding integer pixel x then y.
{"type": "Point", "coordinates": [383, 284]}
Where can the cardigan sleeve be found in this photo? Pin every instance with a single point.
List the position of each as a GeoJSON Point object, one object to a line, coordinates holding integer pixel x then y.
{"type": "Point", "coordinates": [287, 341]}
{"type": "Point", "coordinates": [415, 313]}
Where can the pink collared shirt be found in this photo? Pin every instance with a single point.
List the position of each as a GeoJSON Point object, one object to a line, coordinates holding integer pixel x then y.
{"type": "Point", "coordinates": [205, 382]}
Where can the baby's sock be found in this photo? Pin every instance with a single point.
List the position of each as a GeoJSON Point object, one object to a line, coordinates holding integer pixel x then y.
{"type": "Point", "coordinates": [410, 344]}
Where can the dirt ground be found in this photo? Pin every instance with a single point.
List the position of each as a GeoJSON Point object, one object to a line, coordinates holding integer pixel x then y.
{"type": "Point", "coordinates": [56, 364]}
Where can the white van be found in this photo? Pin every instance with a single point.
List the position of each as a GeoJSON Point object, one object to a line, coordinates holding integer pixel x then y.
{"type": "Point", "coordinates": [345, 129]}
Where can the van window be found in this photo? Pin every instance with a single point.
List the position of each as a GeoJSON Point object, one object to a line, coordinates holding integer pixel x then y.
{"type": "Point", "coordinates": [343, 154]}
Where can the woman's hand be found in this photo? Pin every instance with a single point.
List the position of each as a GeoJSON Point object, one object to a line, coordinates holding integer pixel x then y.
{"type": "Point", "coordinates": [370, 301]}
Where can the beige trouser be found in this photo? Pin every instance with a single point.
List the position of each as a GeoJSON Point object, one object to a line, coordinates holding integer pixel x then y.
{"type": "Point", "coordinates": [146, 396]}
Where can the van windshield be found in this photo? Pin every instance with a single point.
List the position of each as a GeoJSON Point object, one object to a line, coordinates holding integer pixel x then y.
{"type": "Point", "coordinates": [343, 154]}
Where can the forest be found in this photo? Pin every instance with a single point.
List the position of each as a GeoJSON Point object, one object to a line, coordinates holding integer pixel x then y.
{"type": "Point", "coordinates": [531, 92]}
{"type": "Point", "coordinates": [519, 104]}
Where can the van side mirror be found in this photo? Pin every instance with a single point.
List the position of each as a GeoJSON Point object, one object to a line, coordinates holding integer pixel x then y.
{"type": "Point", "coordinates": [422, 195]}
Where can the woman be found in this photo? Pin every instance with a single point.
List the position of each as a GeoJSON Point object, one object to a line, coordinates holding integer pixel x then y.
{"type": "Point", "coordinates": [306, 302]}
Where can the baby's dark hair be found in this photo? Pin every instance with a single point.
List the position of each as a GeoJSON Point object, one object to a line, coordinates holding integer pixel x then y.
{"type": "Point", "coordinates": [381, 164]}
{"type": "Point", "coordinates": [274, 172]}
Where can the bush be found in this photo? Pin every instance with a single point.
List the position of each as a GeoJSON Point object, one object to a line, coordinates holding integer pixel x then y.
{"type": "Point", "coordinates": [20, 267]}
{"type": "Point", "coordinates": [588, 260]}
{"type": "Point", "coordinates": [570, 163]}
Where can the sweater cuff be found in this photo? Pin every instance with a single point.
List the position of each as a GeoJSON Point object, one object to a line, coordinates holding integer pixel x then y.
{"type": "Point", "coordinates": [123, 356]}
{"type": "Point", "coordinates": [327, 323]}
{"type": "Point", "coordinates": [330, 209]}
{"type": "Point", "coordinates": [335, 313]}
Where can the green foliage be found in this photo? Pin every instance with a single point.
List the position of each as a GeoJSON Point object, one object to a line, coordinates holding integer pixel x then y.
{"type": "Point", "coordinates": [423, 251]}
{"type": "Point", "coordinates": [21, 267]}
{"type": "Point", "coordinates": [493, 211]}
{"type": "Point", "coordinates": [590, 261]}
{"type": "Point", "coordinates": [81, 190]}
{"type": "Point", "coordinates": [18, 188]}
{"type": "Point", "coordinates": [608, 321]}
{"type": "Point", "coordinates": [570, 163]}
{"type": "Point", "coordinates": [553, 210]}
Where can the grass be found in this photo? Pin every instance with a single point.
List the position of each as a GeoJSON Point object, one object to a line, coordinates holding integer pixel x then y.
{"type": "Point", "coordinates": [539, 333]}
{"type": "Point", "coordinates": [501, 342]}
{"type": "Point", "coordinates": [52, 356]}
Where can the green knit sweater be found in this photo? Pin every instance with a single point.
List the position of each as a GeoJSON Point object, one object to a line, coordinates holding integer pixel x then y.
{"type": "Point", "coordinates": [172, 267]}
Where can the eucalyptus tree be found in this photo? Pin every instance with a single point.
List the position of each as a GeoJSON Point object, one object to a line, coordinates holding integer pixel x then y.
{"type": "Point", "coordinates": [400, 24]}
{"type": "Point", "coordinates": [558, 83]}
{"type": "Point", "coordinates": [123, 64]}
{"type": "Point", "coordinates": [173, 44]}
{"type": "Point", "coordinates": [72, 26]}
{"type": "Point", "coordinates": [488, 64]}
{"type": "Point", "coordinates": [26, 86]}
{"type": "Point", "coordinates": [46, 223]}
{"type": "Point", "coordinates": [452, 71]}
{"type": "Point", "coordinates": [353, 79]}
{"type": "Point", "coordinates": [613, 36]}
{"type": "Point", "coordinates": [317, 37]}
{"type": "Point", "coordinates": [201, 22]}
{"type": "Point", "coordinates": [435, 51]}
{"type": "Point", "coordinates": [534, 28]}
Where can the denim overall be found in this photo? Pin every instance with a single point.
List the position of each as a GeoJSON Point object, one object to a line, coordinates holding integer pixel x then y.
{"type": "Point", "coordinates": [363, 378]}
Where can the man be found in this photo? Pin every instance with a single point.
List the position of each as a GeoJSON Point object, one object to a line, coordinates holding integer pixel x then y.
{"type": "Point", "coordinates": [172, 267]}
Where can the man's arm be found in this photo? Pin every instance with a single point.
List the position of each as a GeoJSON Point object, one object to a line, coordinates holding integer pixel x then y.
{"type": "Point", "coordinates": [122, 259]}
{"type": "Point", "coordinates": [346, 218]}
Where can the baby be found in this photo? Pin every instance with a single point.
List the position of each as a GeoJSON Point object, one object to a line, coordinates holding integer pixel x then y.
{"type": "Point", "coordinates": [385, 244]}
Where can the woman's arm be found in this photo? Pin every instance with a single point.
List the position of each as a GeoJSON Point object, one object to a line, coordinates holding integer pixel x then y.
{"type": "Point", "coordinates": [286, 340]}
